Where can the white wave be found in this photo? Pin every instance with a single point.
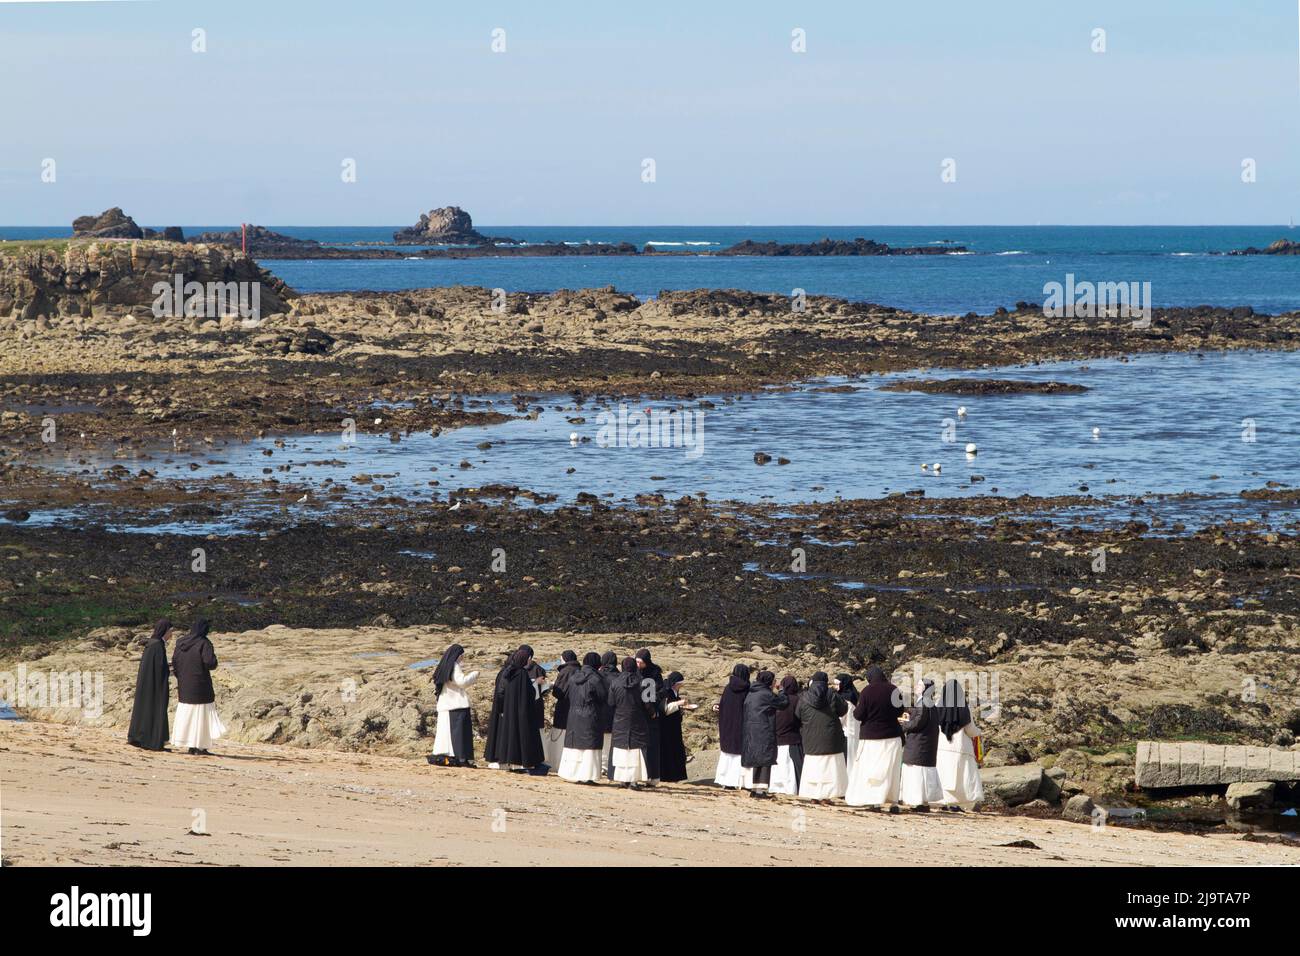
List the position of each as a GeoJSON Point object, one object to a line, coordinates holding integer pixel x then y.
{"type": "Point", "coordinates": [967, 253]}
{"type": "Point", "coordinates": [664, 242]}
{"type": "Point", "coordinates": [1012, 252]}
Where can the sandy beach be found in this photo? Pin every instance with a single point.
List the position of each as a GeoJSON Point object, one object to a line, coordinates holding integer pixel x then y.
{"type": "Point", "coordinates": [82, 796]}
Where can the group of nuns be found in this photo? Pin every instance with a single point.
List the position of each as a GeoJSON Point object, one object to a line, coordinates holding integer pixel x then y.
{"type": "Point", "coordinates": [829, 741]}
{"type": "Point", "coordinates": [824, 742]}
{"type": "Point", "coordinates": [197, 722]}
{"type": "Point", "coordinates": [622, 720]}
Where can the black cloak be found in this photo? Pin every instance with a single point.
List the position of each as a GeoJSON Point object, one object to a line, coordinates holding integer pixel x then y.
{"type": "Point", "coordinates": [586, 696]}
{"type": "Point", "coordinates": [652, 672]}
{"type": "Point", "coordinates": [608, 673]}
{"type": "Point", "coordinates": [878, 708]}
{"type": "Point", "coordinates": [787, 721]}
{"type": "Point", "coordinates": [631, 712]}
{"type": "Point", "coordinates": [759, 725]}
{"type": "Point", "coordinates": [193, 660]}
{"type": "Point", "coordinates": [513, 732]}
{"type": "Point", "coordinates": [820, 710]}
{"type": "Point", "coordinates": [560, 691]}
{"type": "Point", "coordinates": [152, 692]}
{"type": "Point", "coordinates": [731, 711]}
{"type": "Point", "coordinates": [672, 749]}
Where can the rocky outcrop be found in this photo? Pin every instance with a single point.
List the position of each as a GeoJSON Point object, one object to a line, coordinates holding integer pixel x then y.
{"type": "Point", "coordinates": [113, 278]}
{"type": "Point", "coordinates": [115, 224]}
{"type": "Point", "coordinates": [830, 247]}
{"type": "Point", "coordinates": [1283, 247]}
{"type": "Point", "coordinates": [1209, 765]}
{"type": "Point", "coordinates": [449, 225]}
{"type": "Point", "coordinates": [109, 224]}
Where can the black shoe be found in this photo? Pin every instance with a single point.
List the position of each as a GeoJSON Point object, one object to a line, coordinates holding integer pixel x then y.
{"type": "Point", "coordinates": [894, 808]}
{"type": "Point", "coordinates": [195, 750]}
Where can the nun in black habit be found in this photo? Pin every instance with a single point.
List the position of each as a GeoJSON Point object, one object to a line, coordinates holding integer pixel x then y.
{"type": "Point", "coordinates": [672, 749]}
{"type": "Point", "coordinates": [789, 742]}
{"type": "Point", "coordinates": [514, 738]}
{"type": "Point", "coordinates": [608, 673]}
{"type": "Point", "coordinates": [148, 729]}
{"type": "Point", "coordinates": [631, 726]}
{"type": "Point", "coordinates": [585, 696]}
{"type": "Point", "coordinates": [758, 730]}
{"type": "Point", "coordinates": [652, 684]}
{"type": "Point", "coordinates": [731, 773]}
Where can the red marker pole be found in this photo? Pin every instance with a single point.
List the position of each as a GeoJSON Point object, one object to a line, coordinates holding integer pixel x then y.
{"type": "Point", "coordinates": [243, 237]}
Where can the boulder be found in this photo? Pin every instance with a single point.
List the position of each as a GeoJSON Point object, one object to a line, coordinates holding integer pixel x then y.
{"type": "Point", "coordinates": [1013, 785]}
{"type": "Point", "coordinates": [1078, 808]}
{"type": "Point", "coordinates": [1256, 795]}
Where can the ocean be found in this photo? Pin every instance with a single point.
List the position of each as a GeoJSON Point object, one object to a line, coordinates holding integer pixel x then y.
{"type": "Point", "coordinates": [1002, 264]}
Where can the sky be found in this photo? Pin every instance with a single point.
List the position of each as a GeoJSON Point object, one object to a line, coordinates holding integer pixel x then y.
{"type": "Point", "coordinates": [555, 129]}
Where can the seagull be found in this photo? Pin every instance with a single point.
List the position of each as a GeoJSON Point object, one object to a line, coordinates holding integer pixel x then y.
{"type": "Point", "coordinates": [302, 499]}
{"type": "Point", "coordinates": [924, 466]}
{"type": "Point", "coordinates": [379, 421]}
{"type": "Point", "coordinates": [1096, 433]}
{"type": "Point", "coordinates": [971, 448]}
{"type": "Point", "coordinates": [455, 507]}
{"type": "Point", "coordinates": [573, 438]}
{"type": "Point", "coordinates": [961, 411]}
{"type": "Point", "coordinates": [938, 467]}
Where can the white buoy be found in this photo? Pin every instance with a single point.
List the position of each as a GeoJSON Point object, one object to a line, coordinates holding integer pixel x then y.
{"type": "Point", "coordinates": [573, 438]}
{"type": "Point", "coordinates": [971, 448]}
{"type": "Point", "coordinates": [961, 411]}
{"type": "Point", "coordinates": [925, 466]}
{"type": "Point", "coordinates": [937, 467]}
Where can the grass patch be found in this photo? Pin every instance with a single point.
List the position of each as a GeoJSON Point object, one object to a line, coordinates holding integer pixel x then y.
{"type": "Point", "coordinates": [18, 247]}
{"type": "Point", "coordinates": [71, 617]}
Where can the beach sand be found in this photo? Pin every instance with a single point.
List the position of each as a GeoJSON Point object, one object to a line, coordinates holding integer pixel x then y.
{"type": "Point", "coordinates": [82, 796]}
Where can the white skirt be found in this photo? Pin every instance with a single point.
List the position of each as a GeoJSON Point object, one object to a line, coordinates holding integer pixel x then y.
{"type": "Point", "coordinates": [873, 781]}
{"type": "Point", "coordinates": [579, 765]}
{"type": "Point", "coordinates": [784, 779]}
{"type": "Point", "coordinates": [852, 730]}
{"type": "Point", "coordinates": [824, 777]}
{"type": "Point", "coordinates": [197, 725]}
{"type": "Point", "coordinates": [730, 773]}
{"type": "Point", "coordinates": [629, 766]}
{"type": "Point", "coordinates": [552, 746]}
{"type": "Point", "coordinates": [920, 786]}
{"type": "Point", "coordinates": [959, 776]}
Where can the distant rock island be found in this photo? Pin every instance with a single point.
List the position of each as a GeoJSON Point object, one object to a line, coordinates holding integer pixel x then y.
{"type": "Point", "coordinates": [453, 227]}
{"type": "Point", "coordinates": [833, 247]}
{"type": "Point", "coordinates": [448, 225]}
{"type": "Point", "coordinates": [1283, 247]}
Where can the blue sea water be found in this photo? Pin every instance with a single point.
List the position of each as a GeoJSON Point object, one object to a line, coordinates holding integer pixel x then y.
{"type": "Point", "coordinates": [1003, 264]}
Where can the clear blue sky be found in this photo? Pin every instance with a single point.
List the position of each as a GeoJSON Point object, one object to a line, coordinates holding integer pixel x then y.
{"type": "Point", "coordinates": [553, 131]}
